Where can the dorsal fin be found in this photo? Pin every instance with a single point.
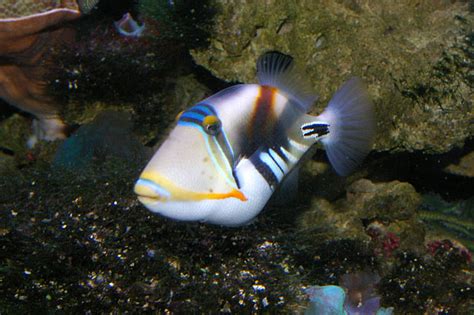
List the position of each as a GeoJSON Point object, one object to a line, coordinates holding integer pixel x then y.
{"type": "Point", "coordinates": [278, 70]}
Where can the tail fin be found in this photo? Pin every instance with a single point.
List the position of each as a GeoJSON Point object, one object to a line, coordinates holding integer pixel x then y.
{"type": "Point", "coordinates": [351, 127]}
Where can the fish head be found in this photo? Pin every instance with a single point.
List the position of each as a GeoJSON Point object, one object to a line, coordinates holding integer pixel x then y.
{"type": "Point", "coordinates": [192, 171]}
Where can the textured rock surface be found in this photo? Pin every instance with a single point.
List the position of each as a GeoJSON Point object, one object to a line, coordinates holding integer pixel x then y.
{"type": "Point", "coordinates": [390, 207]}
{"type": "Point", "coordinates": [413, 56]}
{"type": "Point", "coordinates": [13, 134]}
{"type": "Point", "coordinates": [108, 136]}
{"type": "Point", "coordinates": [465, 166]}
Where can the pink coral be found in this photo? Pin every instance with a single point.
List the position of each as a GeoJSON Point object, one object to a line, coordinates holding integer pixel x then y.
{"type": "Point", "coordinates": [385, 242]}
{"type": "Point", "coordinates": [446, 247]}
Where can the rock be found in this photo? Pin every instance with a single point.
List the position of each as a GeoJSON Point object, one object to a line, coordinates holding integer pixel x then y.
{"type": "Point", "coordinates": [383, 212]}
{"type": "Point", "coordinates": [14, 131]}
{"type": "Point", "coordinates": [189, 91]}
{"type": "Point", "coordinates": [465, 166]}
{"type": "Point", "coordinates": [108, 136]}
{"type": "Point", "coordinates": [391, 202]}
{"type": "Point", "coordinates": [414, 58]}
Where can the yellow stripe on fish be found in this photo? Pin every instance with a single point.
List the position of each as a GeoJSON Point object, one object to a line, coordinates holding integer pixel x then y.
{"type": "Point", "coordinates": [160, 188]}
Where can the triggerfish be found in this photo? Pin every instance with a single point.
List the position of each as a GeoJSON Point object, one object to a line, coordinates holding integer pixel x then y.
{"type": "Point", "coordinates": [228, 154]}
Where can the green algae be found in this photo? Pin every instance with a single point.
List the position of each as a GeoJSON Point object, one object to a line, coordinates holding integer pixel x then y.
{"type": "Point", "coordinates": [455, 220]}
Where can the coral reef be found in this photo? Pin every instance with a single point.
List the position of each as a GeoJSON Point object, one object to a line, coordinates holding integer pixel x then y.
{"type": "Point", "coordinates": [106, 66]}
{"type": "Point", "coordinates": [382, 212]}
{"type": "Point", "coordinates": [139, 74]}
{"type": "Point", "coordinates": [74, 239]}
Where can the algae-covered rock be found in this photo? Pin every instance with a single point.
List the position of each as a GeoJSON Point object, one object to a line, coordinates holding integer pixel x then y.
{"type": "Point", "coordinates": [414, 56]}
{"type": "Point", "coordinates": [384, 212]}
{"type": "Point", "coordinates": [464, 167]}
{"type": "Point", "coordinates": [14, 132]}
{"type": "Point", "coordinates": [390, 202]}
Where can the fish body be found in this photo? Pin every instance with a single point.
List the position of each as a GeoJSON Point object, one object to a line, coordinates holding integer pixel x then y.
{"type": "Point", "coordinates": [230, 152]}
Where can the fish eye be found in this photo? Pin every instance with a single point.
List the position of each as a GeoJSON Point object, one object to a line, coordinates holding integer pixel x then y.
{"type": "Point", "coordinates": [212, 125]}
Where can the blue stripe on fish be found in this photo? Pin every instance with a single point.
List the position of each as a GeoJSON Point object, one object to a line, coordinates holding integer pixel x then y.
{"type": "Point", "coordinates": [160, 191]}
{"type": "Point", "coordinates": [200, 112]}
{"type": "Point", "coordinates": [192, 115]}
{"type": "Point", "coordinates": [190, 122]}
{"type": "Point", "coordinates": [195, 115]}
{"type": "Point", "coordinates": [279, 161]}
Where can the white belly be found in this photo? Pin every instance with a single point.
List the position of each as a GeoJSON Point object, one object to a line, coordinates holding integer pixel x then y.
{"type": "Point", "coordinates": [234, 212]}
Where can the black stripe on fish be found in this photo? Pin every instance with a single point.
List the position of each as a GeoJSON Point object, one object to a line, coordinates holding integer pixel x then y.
{"type": "Point", "coordinates": [206, 106]}
{"type": "Point", "coordinates": [267, 167]}
{"type": "Point", "coordinates": [314, 129]}
{"type": "Point", "coordinates": [276, 162]}
{"type": "Point", "coordinates": [283, 156]}
{"type": "Point", "coordinates": [197, 113]}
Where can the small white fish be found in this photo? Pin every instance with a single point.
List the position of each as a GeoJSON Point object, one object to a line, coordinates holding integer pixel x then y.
{"type": "Point", "coordinates": [228, 153]}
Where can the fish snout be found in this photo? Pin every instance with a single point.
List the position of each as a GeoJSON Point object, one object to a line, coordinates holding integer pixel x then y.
{"type": "Point", "coordinates": [149, 192]}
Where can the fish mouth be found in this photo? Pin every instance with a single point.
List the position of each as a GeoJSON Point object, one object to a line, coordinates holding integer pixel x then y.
{"type": "Point", "coordinates": [150, 192]}
{"type": "Point", "coordinates": [150, 188]}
